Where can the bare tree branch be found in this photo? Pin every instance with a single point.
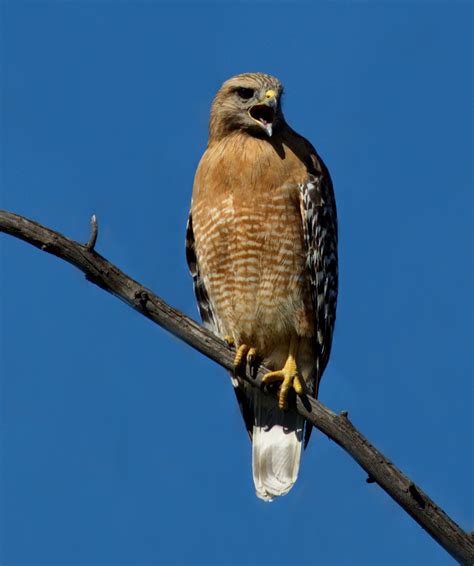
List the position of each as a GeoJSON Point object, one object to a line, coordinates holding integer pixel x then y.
{"type": "Point", "coordinates": [338, 427]}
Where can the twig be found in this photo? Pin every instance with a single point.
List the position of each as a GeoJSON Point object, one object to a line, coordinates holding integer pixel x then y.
{"type": "Point", "coordinates": [94, 231]}
{"type": "Point", "coordinates": [338, 427]}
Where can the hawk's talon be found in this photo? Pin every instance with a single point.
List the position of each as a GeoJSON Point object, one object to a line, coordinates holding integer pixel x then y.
{"type": "Point", "coordinates": [288, 376]}
{"type": "Point", "coordinates": [240, 355]}
{"type": "Point", "coordinates": [245, 354]}
{"type": "Point", "coordinates": [252, 356]}
{"type": "Point", "coordinates": [297, 385]}
{"type": "Point", "coordinates": [230, 340]}
{"type": "Point", "coordinates": [290, 380]}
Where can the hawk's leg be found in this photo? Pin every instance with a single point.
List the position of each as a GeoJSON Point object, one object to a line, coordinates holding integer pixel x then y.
{"type": "Point", "coordinates": [288, 376]}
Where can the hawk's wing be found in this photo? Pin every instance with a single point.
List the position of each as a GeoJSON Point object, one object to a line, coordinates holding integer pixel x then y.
{"type": "Point", "coordinates": [202, 298]}
{"type": "Point", "coordinates": [318, 209]}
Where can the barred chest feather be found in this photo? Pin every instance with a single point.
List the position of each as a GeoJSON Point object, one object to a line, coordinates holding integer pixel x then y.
{"type": "Point", "coordinates": [249, 242]}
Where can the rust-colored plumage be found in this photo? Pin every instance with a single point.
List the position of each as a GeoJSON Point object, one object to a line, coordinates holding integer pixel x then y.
{"type": "Point", "coordinates": [262, 248]}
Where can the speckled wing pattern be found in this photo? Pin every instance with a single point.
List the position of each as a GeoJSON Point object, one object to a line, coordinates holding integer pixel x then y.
{"type": "Point", "coordinates": [202, 298]}
{"type": "Point", "coordinates": [318, 208]}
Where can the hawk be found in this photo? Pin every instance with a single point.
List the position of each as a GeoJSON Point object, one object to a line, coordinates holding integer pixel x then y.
{"type": "Point", "coordinates": [261, 245]}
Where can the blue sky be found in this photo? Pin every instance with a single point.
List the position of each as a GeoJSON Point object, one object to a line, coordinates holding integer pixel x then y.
{"type": "Point", "coordinates": [120, 443]}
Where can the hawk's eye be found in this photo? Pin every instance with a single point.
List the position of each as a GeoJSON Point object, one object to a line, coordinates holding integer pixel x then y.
{"type": "Point", "coordinates": [245, 93]}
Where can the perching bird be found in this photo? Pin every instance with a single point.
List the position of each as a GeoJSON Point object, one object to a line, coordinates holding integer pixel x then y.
{"type": "Point", "coordinates": [261, 245]}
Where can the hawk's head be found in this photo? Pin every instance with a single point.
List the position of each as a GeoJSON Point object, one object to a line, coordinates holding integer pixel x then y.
{"type": "Point", "coordinates": [248, 102]}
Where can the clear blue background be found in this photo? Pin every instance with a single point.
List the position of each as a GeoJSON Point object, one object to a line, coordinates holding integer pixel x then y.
{"type": "Point", "coordinates": [104, 110]}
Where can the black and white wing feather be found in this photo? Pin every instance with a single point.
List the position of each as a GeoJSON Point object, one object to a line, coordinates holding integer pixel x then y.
{"type": "Point", "coordinates": [320, 233]}
{"type": "Point", "coordinates": [202, 297]}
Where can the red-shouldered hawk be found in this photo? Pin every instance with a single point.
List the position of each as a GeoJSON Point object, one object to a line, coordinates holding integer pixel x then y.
{"type": "Point", "coordinates": [262, 249]}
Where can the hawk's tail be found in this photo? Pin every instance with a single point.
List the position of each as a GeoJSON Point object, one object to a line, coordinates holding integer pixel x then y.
{"type": "Point", "coordinates": [277, 442]}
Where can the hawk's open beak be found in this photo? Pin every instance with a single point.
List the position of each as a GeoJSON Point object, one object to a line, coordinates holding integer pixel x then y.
{"type": "Point", "coordinates": [264, 112]}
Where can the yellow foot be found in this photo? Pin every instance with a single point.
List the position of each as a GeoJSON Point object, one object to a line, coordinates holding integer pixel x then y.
{"type": "Point", "coordinates": [229, 339]}
{"type": "Point", "coordinates": [288, 376]}
{"type": "Point", "coordinates": [290, 379]}
{"type": "Point", "coordinates": [244, 352]}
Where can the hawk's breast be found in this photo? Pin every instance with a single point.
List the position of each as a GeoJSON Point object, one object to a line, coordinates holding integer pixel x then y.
{"type": "Point", "coordinates": [250, 249]}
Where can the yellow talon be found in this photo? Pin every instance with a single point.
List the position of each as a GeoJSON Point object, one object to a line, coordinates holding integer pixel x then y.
{"type": "Point", "coordinates": [244, 353]}
{"type": "Point", "coordinates": [290, 379]}
{"type": "Point", "coordinates": [288, 376]}
{"type": "Point", "coordinates": [229, 339]}
{"type": "Point", "coordinates": [297, 385]}
{"type": "Point", "coordinates": [251, 355]}
{"type": "Point", "coordinates": [240, 355]}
